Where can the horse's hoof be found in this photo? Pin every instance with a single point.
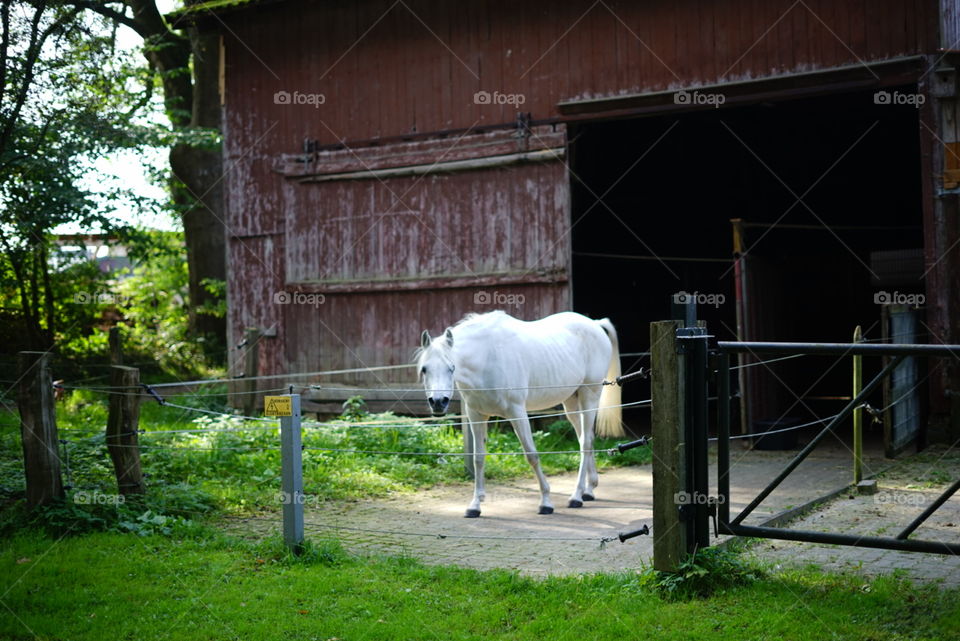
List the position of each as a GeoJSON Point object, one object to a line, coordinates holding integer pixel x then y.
{"type": "Point", "coordinates": [545, 509]}
{"type": "Point", "coordinates": [575, 503]}
{"type": "Point", "coordinates": [588, 497]}
{"type": "Point", "coordinates": [472, 514]}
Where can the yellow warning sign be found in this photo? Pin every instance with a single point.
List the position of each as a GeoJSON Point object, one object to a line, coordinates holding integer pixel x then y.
{"type": "Point", "coordinates": [278, 406]}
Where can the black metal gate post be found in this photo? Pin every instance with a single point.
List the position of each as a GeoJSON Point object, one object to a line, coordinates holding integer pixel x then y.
{"type": "Point", "coordinates": [723, 437]}
{"type": "Point", "coordinates": [695, 503]}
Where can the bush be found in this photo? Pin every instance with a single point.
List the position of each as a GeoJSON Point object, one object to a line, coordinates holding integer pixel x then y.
{"type": "Point", "coordinates": [156, 311]}
{"type": "Point", "coordinates": [703, 574]}
{"type": "Point", "coordinates": [165, 509]}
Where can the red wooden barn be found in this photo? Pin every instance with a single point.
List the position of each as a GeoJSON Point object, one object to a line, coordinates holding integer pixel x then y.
{"type": "Point", "coordinates": [393, 164]}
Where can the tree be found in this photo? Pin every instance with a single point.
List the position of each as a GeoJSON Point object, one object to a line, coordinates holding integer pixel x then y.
{"type": "Point", "coordinates": [188, 68]}
{"type": "Point", "coordinates": [64, 100]}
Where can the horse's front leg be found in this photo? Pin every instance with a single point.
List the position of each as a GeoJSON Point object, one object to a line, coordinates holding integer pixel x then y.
{"type": "Point", "coordinates": [585, 482]}
{"type": "Point", "coordinates": [478, 428]}
{"type": "Point", "coordinates": [522, 427]}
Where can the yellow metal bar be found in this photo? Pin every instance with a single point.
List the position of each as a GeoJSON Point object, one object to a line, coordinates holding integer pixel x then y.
{"type": "Point", "coordinates": [738, 243]}
{"type": "Point", "coordinates": [858, 412]}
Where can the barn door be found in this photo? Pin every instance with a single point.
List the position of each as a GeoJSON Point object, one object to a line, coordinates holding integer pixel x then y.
{"type": "Point", "coordinates": [412, 235]}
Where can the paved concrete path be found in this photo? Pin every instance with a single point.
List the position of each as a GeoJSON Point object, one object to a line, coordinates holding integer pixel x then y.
{"type": "Point", "coordinates": [542, 544]}
{"type": "Point", "coordinates": [429, 525]}
{"type": "Point", "coordinates": [905, 490]}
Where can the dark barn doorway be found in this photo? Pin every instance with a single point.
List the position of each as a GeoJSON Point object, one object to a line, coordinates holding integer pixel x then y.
{"type": "Point", "coordinates": [652, 203]}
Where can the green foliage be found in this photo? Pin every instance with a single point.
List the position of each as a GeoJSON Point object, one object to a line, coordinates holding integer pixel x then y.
{"type": "Point", "coordinates": [70, 97]}
{"type": "Point", "coordinates": [706, 572]}
{"type": "Point", "coordinates": [178, 511]}
{"type": "Point", "coordinates": [232, 465]}
{"type": "Point", "coordinates": [70, 275]}
{"type": "Point", "coordinates": [156, 310]}
{"type": "Point", "coordinates": [218, 306]}
{"type": "Point", "coordinates": [149, 303]}
{"type": "Point", "coordinates": [354, 409]}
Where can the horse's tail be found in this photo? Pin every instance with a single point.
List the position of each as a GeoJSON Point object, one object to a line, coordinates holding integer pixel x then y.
{"type": "Point", "coordinates": [609, 416]}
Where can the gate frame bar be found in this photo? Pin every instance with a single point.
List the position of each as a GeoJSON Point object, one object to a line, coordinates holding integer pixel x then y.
{"type": "Point", "coordinates": [736, 527]}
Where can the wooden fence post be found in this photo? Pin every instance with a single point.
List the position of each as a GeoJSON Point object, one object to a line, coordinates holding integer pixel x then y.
{"type": "Point", "coordinates": [251, 365]}
{"type": "Point", "coordinates": [669, 448]}
{"type": "Point", "coordinates": [38, 429]}
{"type": "Point", "coordinates": [123, 421]}
{"type": "Point", "coordinates": [116, 346]}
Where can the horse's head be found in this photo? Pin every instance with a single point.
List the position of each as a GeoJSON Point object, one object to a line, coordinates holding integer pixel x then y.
{"type": "Point", "coordinates": [436, 370]}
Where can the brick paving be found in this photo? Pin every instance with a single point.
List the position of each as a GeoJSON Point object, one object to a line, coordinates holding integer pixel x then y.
{"type": "Point", "coordinates": [429, 525]}
{"type": "Point", "coordinates": [904, 492]}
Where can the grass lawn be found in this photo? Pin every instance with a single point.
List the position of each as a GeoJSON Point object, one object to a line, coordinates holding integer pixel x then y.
{"type": "Point", "coordinates": [123, 586]}
{"type": "Point", "coordinates": [159, 569]}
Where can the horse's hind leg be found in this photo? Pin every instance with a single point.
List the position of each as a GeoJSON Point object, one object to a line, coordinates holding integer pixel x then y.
{"type": "Point", "coordinates": [581, 410]}
{"type": "Point", "coordinates": [522, 428]}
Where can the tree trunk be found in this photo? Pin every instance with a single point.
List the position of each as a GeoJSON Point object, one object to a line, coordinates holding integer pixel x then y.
{"type": "Point", "coordinates": [198, 191]}
{"type": "Point", "coordinates": [191, 101]}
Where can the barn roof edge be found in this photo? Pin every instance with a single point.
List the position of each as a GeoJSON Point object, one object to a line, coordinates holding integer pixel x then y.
{"type": "Point", "coordinates": [210, 8]}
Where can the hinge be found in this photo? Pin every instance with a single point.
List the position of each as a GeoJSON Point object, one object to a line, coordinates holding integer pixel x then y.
{"type": "Point", "coordinates": [684, 334]}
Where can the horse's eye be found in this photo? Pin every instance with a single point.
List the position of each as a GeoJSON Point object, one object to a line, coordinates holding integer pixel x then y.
{"type": "Point", "coordinates": [423, 371]}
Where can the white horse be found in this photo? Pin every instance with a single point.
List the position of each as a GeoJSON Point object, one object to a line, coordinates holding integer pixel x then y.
{"type": "Point", "coordinates": [503, 367]}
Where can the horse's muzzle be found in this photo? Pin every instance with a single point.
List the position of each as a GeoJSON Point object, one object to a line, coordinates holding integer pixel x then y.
{"type": "Point", "coordinates": [438, 406]}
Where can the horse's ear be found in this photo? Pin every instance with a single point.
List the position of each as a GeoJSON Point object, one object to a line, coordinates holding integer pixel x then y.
{"type": "Point", "coordinates": [425, 339]}
{"type": "Point", "coordinates": [449, 336]}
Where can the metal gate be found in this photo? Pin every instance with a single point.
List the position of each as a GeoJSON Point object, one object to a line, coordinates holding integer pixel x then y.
{"type": "Point", "coordinates": [691, 363]}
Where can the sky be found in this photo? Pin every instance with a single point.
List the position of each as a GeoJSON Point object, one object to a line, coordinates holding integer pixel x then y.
{"type": "Point", "coordinates": [126, 169]}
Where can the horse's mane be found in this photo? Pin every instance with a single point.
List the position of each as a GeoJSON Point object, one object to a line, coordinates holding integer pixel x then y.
{"type": "Point", "coordinates": [468, 318]}
{"type": "Point", "coordinates": [473, 316]}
